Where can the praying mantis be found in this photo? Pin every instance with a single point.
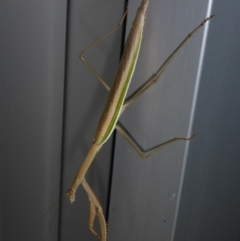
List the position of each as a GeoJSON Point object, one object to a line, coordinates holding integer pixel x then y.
{"type": "Point", "coordinates": [115, 106]}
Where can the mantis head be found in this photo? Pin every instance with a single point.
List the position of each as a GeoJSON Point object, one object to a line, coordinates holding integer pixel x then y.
{"type": "Point", "coordinates": [71, 195]}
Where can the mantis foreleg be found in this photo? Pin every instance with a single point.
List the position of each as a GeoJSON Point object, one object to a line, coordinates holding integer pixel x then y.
{"type": "Point", "coordinates": [95, 210]}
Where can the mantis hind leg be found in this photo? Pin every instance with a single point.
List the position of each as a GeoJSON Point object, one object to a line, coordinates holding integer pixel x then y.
{"type": "Point", "coordinates": [145, 86]}
{"type": "Point", "coordinates": [81, 56]}
{"type": "Point", "coordinates": [154, 78]}
{"type": "Point", "coordinates": [95, 210]}
{"type": "Point", "coordinates": [145, 154]}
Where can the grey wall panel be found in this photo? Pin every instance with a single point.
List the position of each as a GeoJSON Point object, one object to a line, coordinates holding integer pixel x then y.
{"type": "Point", "coordinates": [85, 99]}
{"type": "Point", "coordinates": [209, 208]}
{"type": "Point", "coordinates": [146, 195]}
{"type": "Point", "coordinates": [182, 193]}
{"type": "Point", "coordinates": [31, 95]}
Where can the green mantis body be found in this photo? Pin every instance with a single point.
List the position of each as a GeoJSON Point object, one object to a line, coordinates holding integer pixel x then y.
{"type": "Point", "coordinates": [115, 106]}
